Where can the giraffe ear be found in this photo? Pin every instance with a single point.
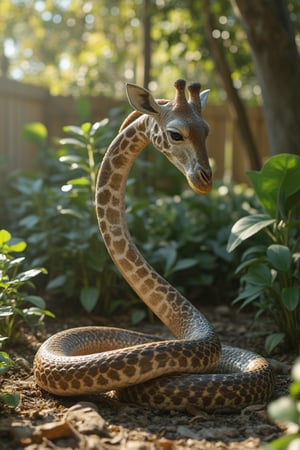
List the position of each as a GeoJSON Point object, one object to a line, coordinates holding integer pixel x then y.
{"type": "Point", "coordinates": [141, 100]}
{"type": "Point", "coordinates": [204, 97]}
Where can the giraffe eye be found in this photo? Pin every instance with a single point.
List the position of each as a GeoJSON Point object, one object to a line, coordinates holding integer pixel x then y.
{"type": "Point", "coordinates": [175, 136]}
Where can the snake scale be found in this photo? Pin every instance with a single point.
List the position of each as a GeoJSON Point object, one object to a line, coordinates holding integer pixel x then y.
{"type": "Point", "coordinates": [193, 368]}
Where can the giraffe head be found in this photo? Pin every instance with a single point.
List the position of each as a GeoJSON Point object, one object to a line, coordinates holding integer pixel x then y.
{"type": "Point", "coordinates": [177, 130]}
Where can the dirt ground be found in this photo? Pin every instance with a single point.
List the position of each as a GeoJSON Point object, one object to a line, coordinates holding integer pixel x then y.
{"type": "Point", "coordinates": [42, 421]}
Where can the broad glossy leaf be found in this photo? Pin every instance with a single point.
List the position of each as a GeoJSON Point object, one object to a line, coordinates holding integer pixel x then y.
{"type": "Point", "coordinates": [185, 263]}
{"type": "Point", "coordinates": [259, 275]}
{"type": "Point", "coordinates": [35, 132]}
{"type": "Point", "coordinates": [17, 247]}
{"type": "Point", "coordinates": [280, 257]}
{"type": "Point", "coordinates": [11, 400]}
{"type": "Point", "coordinates": [5, 236]}
{"type": "Point", "coordinates": [89, 297]}
{"type": "Point", "coordinates": [245, 264]}
{"type": "Point", "coordinates": [138, 315]}
{"type": "Point", "coordinates": [291, 297]}
{"type": "Point", "coordinates": [273, 340]}
{"type": "Point", "coordinates": [38, 312]}
{"type": "Point", "coordinates": [82, 181]}
{"type": "Point", "coordinates": [246, 227]}
{"type": "Point", "coordinates": [31, 273]}
{"type": "Point", "coordinates": [6, 311]}
{"type": "Point", "coordinates": [97, 126]}
{"type": "Point", "coordinates": [249, 292]}
{"type": "Point", "coordinates": [75, 130]}
{"type": "Point", "coordinates": [72, 142]}
{"type": "Point", "coordinates": [29, 221]}
{"type": "Point", "coordinates": [279, 174]}
{"type": "Point", "coordinates": [56, 282]}
{"type": "Point", "coordinates": [35, 300]}
{"type": "Point", "coordinates": [86, 128]}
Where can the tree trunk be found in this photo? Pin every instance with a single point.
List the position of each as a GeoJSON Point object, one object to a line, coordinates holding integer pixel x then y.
{"type": "Point", "coordinates": [271, 37]}
{"type": "Point", "coordinates": [236, 105]}
{"type": "Point", "coordinates": [147, 43]}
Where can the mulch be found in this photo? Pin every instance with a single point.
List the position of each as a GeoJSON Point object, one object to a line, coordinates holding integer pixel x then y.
{"type": "Point", "coordinates": [42, 421]}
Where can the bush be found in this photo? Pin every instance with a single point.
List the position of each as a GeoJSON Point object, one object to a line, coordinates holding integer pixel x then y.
{"type": "Point", "coordinates": [17, 306]}
{"type": "Point", "coordinates": [184, 235]}
{"type": "Point", "coordinates": [287, 410]}
{"type": "Point", "coordinates": [270, 264]}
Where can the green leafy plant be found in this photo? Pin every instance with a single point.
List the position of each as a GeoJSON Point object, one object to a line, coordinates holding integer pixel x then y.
{"type": "Point", "coordinates": [16, 304]}
{"type": "Point", "coordinates": [5, 397]}
{"type": "Point", "coordinates": [54, 210]}
{"type": "Point", "coordinates": [184, 237]}
{"type": "Point", "coordinates": [269, 268]}
{"type": "Point", "coordinates": [287, 410]}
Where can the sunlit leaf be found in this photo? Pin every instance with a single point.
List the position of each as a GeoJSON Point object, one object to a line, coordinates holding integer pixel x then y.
{"type": "Point", "coordinates": [17, 247]}
{"type": "Point", "coordinates": [86, 127]}
{"type": "Point", "coordinates": [72, 142]}
{"type": "Point", "coordinates": [82, 181]}
{"type": "Point", "coordinates": [31, 273]}
{"type": "Point", "coordinates": [36, 132]}
{"type": "Point", "coordinates": [279, 174]}
{"type": "Point", "coordinates": [246, 227]}
{"type": "Point", "coordinates": [5, 236]}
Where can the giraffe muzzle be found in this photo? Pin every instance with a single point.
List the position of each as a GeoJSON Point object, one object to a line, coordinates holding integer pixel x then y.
{"type": "Point", "coordinates": [200, 180]}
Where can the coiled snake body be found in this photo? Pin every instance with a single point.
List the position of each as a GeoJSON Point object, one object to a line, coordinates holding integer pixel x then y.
{"type": "Point", "coordinates": [193, 369]}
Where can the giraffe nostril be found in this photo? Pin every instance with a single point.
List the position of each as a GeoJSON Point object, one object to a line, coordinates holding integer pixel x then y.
{"type": "Point", "coordinates": [205, 176]}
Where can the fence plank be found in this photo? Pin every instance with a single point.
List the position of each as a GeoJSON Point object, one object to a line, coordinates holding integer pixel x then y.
{"type": "Point", "coordinates": [23, 103]}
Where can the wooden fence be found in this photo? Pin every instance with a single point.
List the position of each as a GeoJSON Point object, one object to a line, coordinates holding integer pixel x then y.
{"type": "Point", "coordinates": [22, 103]}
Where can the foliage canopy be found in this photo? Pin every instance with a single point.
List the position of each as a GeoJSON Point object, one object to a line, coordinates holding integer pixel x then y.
{"type": "Point", "coordinates": [89, 47]}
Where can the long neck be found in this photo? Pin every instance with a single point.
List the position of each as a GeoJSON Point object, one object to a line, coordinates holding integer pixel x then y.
{"type": "Point", "coordinates": [156, 292]}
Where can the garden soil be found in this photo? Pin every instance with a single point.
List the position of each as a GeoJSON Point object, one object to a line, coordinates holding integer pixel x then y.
{"type": "Point", "coordinates": [42, 421]}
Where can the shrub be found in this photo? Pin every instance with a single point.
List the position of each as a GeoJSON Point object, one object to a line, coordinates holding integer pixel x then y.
{"type": "Point", "coordinates": [270, 264]}
{"type": "Point", "coordinates": [184, 235]}
{"type": "Point", "coordinates": [16, 304]}
{"type": "Point", "coordinates": [5, 397]}
{"type": "Point", "coordinates": [287, 410]}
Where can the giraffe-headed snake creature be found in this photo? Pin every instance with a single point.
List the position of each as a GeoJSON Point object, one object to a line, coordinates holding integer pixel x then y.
{"type": "Point", "coordinates": [193, 368]}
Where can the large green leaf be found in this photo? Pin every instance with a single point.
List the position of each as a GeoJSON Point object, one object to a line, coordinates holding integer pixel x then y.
{"type": "Point", "coordinates": [246, 227]}
{"type": "Point", "coordinates": [9, 399]}
{"type": "Point", "coordinates": [279, 256]}
{"type": "Point", "coordinates": [291, 297]}
{"type": "Point", "coordinates": [36, 132]}
{"type": "Point", "coordinates": [259, 275]}
{"type": "Point", "coordinates": [280, 174]}
{"type": "Point", "coordinates": [5, 236]}
{"type": "Point", "coordinates": [89, 297]}
{"type": "Point", "coordinates": [273, 340]}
